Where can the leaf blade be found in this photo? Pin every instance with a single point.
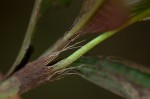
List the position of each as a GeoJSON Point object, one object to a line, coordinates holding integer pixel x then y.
{"type": "Point", "coordinates": [115, 76]}
{"type": "Point", "coordinates": [28, 36]}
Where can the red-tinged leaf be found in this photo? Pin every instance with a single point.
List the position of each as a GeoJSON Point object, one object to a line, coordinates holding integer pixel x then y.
{"type": "Point", "coordinates": [100, 16]}
{"type": "Point", "coordinates": [107, 15]}
{"type": "Point", "coordinates": [111, 15]}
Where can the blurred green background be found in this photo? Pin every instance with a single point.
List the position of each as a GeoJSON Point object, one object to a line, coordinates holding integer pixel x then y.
{"type": "Point", "coordinates": [132, 43]}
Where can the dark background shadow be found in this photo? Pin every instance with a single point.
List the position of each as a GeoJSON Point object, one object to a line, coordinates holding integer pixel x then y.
{"type": "Point", "coordinates": [131, 43]}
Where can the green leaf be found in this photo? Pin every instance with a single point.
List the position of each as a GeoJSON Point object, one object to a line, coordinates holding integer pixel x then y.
{"type": "Point", "coordinates": [139, 7]}
{"type": "Point", "coordinates": [119, 76]}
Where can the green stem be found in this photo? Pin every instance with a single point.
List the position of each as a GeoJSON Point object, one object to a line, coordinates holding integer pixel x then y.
{"type": "Point", "coordinates": [84, 49]}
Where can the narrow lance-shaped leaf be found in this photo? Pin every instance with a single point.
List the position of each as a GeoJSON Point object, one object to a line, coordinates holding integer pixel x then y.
{"type": "Point", "coordinates": [107, 15]}
{"type": "Point", "coordinates": [111, 15]}
{"type": "Point", "coordinates": [40, 7]}
{"type": "Point", "coordinates": [119, 76]}
{"type": "Point", "coordinates": [28, 36]}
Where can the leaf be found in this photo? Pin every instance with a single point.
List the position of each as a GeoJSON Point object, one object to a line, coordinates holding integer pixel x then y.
{"type": "Point", "coordinates": [139, 9]}
{"type": "Point", "coordinates": [139, 6]}
{"type": "Point", "coordinates": [107, 15]}
{"type": "Point", "coordinates": [121, 77]}
{"type": "Point", "coordinates": [40, 7]}
{"type": "Point", "coordinates": [28, 36]}
{"type": "Point", "coordinates": [100, 16]}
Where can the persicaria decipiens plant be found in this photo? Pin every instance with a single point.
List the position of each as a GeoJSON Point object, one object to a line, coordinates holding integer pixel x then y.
{"type": "Point", "coordinates": [102, 17]}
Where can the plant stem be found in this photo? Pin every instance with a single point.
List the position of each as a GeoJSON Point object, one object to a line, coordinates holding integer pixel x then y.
{"type": "Point", "coordinates": [64, 63]}
{"type": "Point", "coordinates": [9, 88]}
